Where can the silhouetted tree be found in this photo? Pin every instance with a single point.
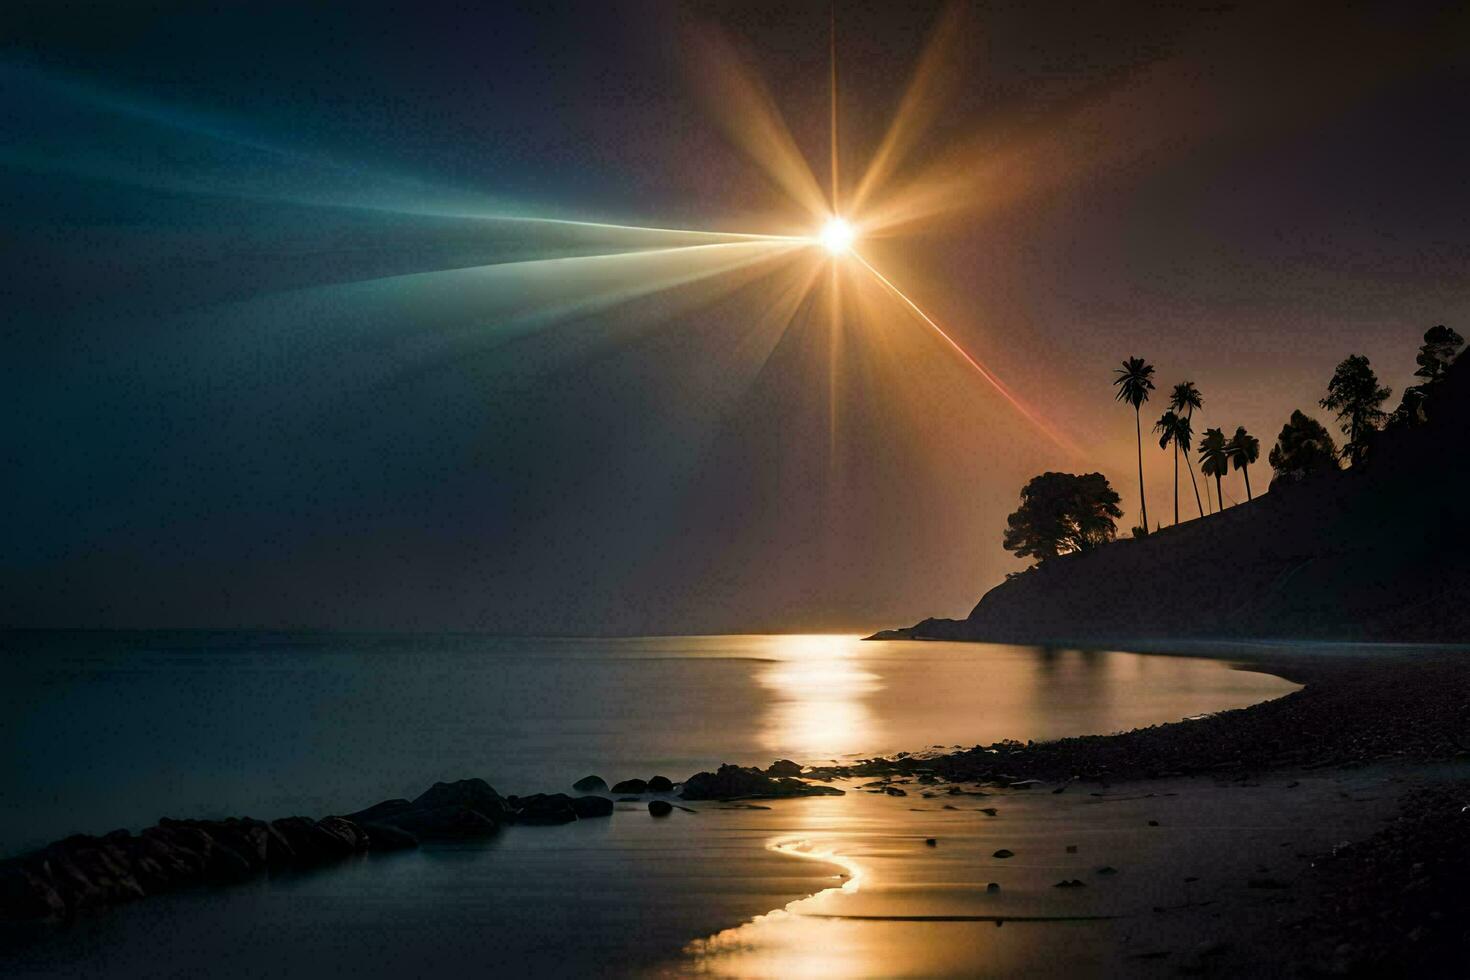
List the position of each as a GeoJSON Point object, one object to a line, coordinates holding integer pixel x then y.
{"type": "Point", "coordinates": [1061, 513]}
{"type": "Point", "coordinates": [1186, 398]}
{"type": "Point", "coordinates": [1355, 395]}
{"type": "Point", "coordinates": [1134, 382]}
{"type": "Point", "coordinates": [1174, 429]}
{"type": "Point", "coordinates": [1243, 450]}
{"type": "Point", "coordinates": [1214, 461]}
{"type": "Point", "coordinates": [1304, 447]}
{"type": "Point", "coordinates": [1440, 348]}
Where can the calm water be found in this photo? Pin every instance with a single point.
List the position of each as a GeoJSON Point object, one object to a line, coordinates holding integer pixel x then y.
{"type": "Point", "coordinates": [105, 730]}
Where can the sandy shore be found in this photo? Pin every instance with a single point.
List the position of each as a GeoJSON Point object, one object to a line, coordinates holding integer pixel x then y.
{"type": "Point", "coordinates": [1167, 875]}
{"type": "Point", "coordinates": [1319, 833]}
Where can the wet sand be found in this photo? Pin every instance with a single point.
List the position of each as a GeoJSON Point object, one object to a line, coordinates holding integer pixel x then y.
{"type": "Point", "coordinates": [1224, 863]}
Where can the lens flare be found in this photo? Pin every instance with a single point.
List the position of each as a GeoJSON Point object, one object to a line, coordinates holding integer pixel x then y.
{"type": "Point", "coordinates": [837, 236]}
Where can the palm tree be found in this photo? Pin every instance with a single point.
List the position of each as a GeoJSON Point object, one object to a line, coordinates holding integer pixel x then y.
{"type": "Point", "coordinates": [1174, 428]}
{"type": "Point", "coordinates": [1186, 398]}
{"type": "Point", "coordinates": [1134, 382]}
{"type": "Point", "coordinates": [1214, 461]}
{"type": "Point", "coordinates": [1243, 450]}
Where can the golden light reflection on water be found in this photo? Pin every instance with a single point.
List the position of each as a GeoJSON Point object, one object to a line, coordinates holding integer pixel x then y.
{"type": "Point", "coordinates": [818, 698]}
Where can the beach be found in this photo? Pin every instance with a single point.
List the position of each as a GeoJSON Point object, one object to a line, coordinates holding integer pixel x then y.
{"type": "Point", "coordinates": [1196, 848]}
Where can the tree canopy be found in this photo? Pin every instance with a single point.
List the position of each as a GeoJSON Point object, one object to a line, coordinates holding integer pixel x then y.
{"type": "Point", "coordinates": [1061, 513]}
{"type": "Point", "coordinates": [1357, 398]}
{"type": "Point", "coordinates": [1304, 447]}
{"type": "Point", "coordinates": [1134, 381]}
{"type": "Point", "coordinates": [1441, 346]}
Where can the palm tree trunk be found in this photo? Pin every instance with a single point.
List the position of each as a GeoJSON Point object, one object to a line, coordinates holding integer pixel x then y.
{"type": "Point", "coordinates": [1190, 467]}
{"type": "Point", "coordinates": [1246, 472]}
{"type": "Point", "coordinates": [1219, 496]}
{"type": "Point", "coordinates": [1176, 482]}
{"type": "Point", "coordinates": [1142, 497]}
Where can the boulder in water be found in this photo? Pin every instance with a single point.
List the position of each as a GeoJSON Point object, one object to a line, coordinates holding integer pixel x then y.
{"type": "Point", "coordinates": [452, 822]}
{"type": "Point", "coordinates": [630, 786]}
{"type": "Point", "coordinates": [745, 782]}
{"type": "Point", "coordinates": [590, 784]}
{"type": "Point", "coordinates": [543, 808]}
{"type": "Point", "coordinates": [384, 837]}
{"type": "Point", "coordinates": [592, 806]}
{"type": "Point", "coordinates": [473, 793]}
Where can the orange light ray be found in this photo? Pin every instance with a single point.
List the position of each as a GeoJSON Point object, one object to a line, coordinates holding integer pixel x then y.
{"type": "Point", "coordinates": [936, 71]}
{"type": "Point", "coordinates": [742, 104]}
{"type": "Point", "coordinates": [836, 199]}
{"type": "Point", "coordinates": [1046, 428]}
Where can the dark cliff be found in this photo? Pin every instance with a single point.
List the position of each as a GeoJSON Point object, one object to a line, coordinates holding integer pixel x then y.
{"type": "Point", "coordinates": [1376, 552]}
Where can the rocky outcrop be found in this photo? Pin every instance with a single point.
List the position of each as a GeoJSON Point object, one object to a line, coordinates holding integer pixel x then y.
{"type": "Point", "coordinates": [83, 872]}
{"type": "Point", "coordinates": [746, 783]}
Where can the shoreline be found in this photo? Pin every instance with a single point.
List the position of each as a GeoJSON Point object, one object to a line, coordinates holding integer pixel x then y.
{"type": "Point", "coordinates": [1398, 710]}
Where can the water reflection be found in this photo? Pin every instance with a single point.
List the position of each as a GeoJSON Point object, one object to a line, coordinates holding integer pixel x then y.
{"type": "Point", "coordinates": [818, 691]}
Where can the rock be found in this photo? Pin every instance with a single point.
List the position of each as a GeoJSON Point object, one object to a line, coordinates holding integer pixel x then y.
{"type": "Point", "coordinates": [1107, 869]}
{"type": "Point", "coordinates": [630, 786]}
{"type": "Point", "coordinates": [452, 822]}
{"type": "Point", "coordinates": [25, 894]}
{"type": "Point", "coordinates": [660, 808]}
{"type": "Point", "coordinates": [312, 843]}
{"type": "Point", "coordinates": [378, 811]}
{"type": "Point", "coordinates": [543, 808]}
{"type": "Point", "coordinates": [894, 791]}
{"type": "Point", "coordinates": [783, 767]}
{"type": "Point", "coordinates": [590, 784]}
{"type": "Point", "coordinates": [592, 806]}
{"type": "Point", "coordinates": [989, 811]}
{"type": "Point", "coordinates": [473, 793]}
{"type": "Point", "coordinates": [383, 837]}
{"type": "Point", "coordinates": [931, 841]}
{"type": "Point", "coordinates": [1003, 853]}
{"type": "Point", "coordinates": [1073, 883]}
{"type": "Point", "coordinates": [1024, 784]}
{"type": "Point", "coordinates": [351, 835]}
{"type": "Point", "coordinates": [737, 782]}
{"type": "Point", "coordinates": [660, 784]}
{"type": "Point", "coordinates": [993, 887]}
{"type": "Point", "coordinates": [1153, 823]}
{"type": "Point", "coordinates": [215, 860]}
{"type": "Point", "coordinates": [1071, 848]}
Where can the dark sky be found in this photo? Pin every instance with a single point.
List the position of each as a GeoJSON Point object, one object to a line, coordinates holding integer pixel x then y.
{"type": "Point", "coordinates": [265, 364]}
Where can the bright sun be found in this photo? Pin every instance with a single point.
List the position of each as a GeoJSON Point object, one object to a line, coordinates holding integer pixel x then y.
{"type": "Point", "coordinates": [837, 236]}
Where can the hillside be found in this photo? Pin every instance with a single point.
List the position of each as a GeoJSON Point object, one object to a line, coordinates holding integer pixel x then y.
{"type": "Point", "coordinates": [1376, 552]}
